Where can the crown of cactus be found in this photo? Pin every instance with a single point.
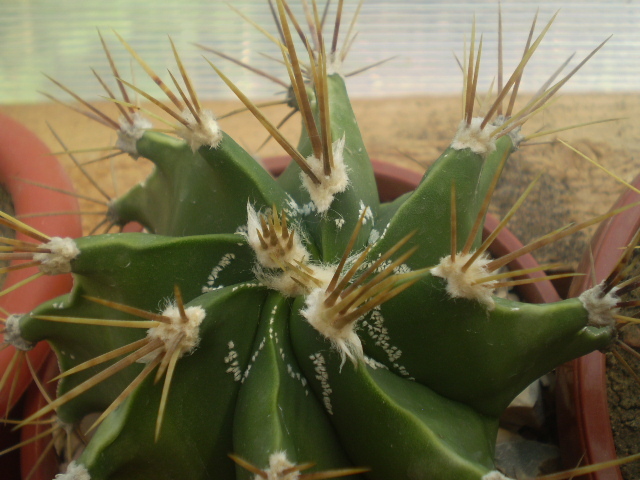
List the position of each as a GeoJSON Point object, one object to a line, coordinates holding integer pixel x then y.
{"type": "Point", "coordinates": [267, 326]}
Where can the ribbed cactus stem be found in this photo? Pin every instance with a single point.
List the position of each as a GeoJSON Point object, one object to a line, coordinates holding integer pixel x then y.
{"type": "Point", "coordinates": [248, 293]}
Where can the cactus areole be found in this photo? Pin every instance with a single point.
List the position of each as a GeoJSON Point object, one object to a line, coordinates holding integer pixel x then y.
{"type": "Point", "coordinates": [298, 328]}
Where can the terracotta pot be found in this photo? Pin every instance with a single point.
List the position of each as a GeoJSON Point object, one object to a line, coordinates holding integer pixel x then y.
{"type": "Point", "coordinates": [36, 452]}
{"type": "Point", "coordinates": [392, 182]}
{"type": "Point", "coordinates": [583, 410]}
{"type": "Point", "coordinates": [24, 156]}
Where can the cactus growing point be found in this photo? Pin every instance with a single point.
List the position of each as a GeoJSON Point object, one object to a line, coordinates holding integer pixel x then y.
{"type": "Point", "coordinates": [300, 319]}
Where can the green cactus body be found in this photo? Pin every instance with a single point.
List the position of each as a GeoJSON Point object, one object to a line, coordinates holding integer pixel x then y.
{"type": "Point", "coordinates": [331, 230]}
{"type": "Point", "coordinates": [196, 442]}
{"type": "Point", "coordinates": [183, 196]}
{"type": "Point", "coordinates": [327, 335]}
{"type": "Point", "coordinates": [278, 398]}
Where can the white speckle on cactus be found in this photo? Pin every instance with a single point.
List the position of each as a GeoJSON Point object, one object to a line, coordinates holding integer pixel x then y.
{"type": "Point", "coordinates": [12, 335]}
{"type": "Point", "coordinates": [307, 209]}
{"type": "Point", "coordinates": [600, 306]}
{"type": "Point", "coordinates": [292, 207]}
{"type": "Point", "coordinates": [374, 364]}
{"type": "Point", "coordinates": [247, 370]}
{"type": "Point", "coordinates": [323, 194]}
{"type": "Point", "coordinates": [344, 339]}
{"type": "Point", "coordinates": [75, 471]}
{"type": "Point", "coordinates": [464, 284]}
{"type": "Point", "coordinates": [495, 475]}
{"type": "Point", "coordinates": [382, 267]}
{"type": "Point", "coordinates": [403, 268]}
{"type": "Point", "coordinates": [130, 133]}
{"type": "Point", "coordinates": [232, 360]}
{"type": "Point", "coordinates": [378, 332]}
{"type": "Point", "coordinates": [246, 285]}
{"type": "Point", "coordinates": [224, 262]}
{"type": "Point", "coordinates": [212, 289]}
{"type": "Point", "coordinates": [255, 355]}
{"type": "Point", "coordinates": [206, 132]}
{"type": "Point", "coordinates": [402, 370]}
{"type": "Point", "coordinates": [471, 136]}
{"type": "Point", "coordinates": [322, 376]}
{"type": "Point", "coordinates": [184, 334]}
{"type": "Point", "coordinates": [375, 235]}
{"type": "Point", "coordinates": [63, 250]}
{"type": "Point", "coordinates": [368, 215]}
{"type": "Point", "coordinates": [246, 373]}
{"type": "Point", "coordinates": [241, 230]}
{"type": "Point", "coordinates": [339, 223]}
{"type": "Point", "coordinates": [295, 375]}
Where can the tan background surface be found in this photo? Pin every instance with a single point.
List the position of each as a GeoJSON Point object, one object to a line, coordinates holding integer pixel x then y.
{"type": "Point", "coordinates": [412, 132]}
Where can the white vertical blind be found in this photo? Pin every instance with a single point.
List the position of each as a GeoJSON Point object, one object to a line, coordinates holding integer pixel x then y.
{"type": "Point", "coordinates": [60, 39]}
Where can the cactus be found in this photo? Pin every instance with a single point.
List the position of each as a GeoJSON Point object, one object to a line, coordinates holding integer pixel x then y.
{"type": "Point", "coordinates": [263, 327]}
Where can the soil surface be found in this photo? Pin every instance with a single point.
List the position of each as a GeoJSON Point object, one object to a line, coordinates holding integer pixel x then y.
{"type": "Point", "coordinates": [624, 408]}
{"type": "Point", "coordinates": [412, 132]}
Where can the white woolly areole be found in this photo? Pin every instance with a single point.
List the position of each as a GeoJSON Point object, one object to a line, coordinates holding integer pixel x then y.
{"type": "Point", "coordinates": [280, 282]}
{"type": "Point", "coordinates": [322, 195]}
{"type": "Point", "coordinates": [130, 133]}
{"type": "Point", "coordinates": [278, 463]}
{"type": "Point", "coordinates": [198, 134]}
{"type": "Point", "coordinates": [63, 250]}
{"type": "Point", "coordinates": [12, 334]}
{"type": "Point", "coordinates": [297, 252]}
{"type": "Point", "coordinates": [185, 334]}
{"type": "Point", "coordinates": [75, 471]}
{"type": "Point", "coordinates": [516, 134]}
{"type": "Point", "coordinates": [463, 284]}
{"type": "Point", "coordinates": [599, 306]}
{"type": "Point", "coordinates": [471, 136]}
{"type": "Point", "coordinates": [335, 64]}
{"type": "Point", "coordinates": [287, 286]}
{"type": "Point", "coordinates": [344, 340]}
{"type": "Point", "coordinates": [495, 475]}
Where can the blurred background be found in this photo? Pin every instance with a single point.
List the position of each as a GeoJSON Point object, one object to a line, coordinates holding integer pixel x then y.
{"type": "Point", "coordinates": [60, 38]}
{"type": "Point", "coordinates": [407, 109]}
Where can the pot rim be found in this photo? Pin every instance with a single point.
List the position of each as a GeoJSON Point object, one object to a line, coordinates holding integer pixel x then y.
{"type": "Point", "coordinates": [583, 408]}
{"type": "Point", "coordinates": [24, 156]}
